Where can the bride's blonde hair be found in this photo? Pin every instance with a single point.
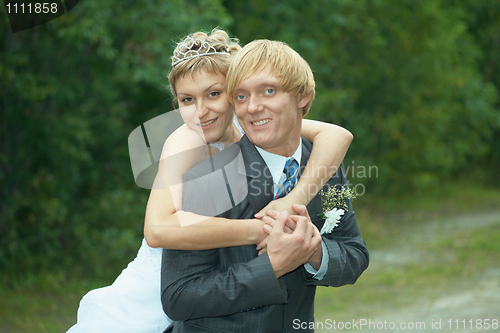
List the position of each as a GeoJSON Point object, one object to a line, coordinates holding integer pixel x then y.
{"type": "Point", "coordinates": [216, 60]}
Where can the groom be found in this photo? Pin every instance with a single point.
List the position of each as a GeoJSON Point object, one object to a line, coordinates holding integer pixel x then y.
{"type": "Point", "coordinates": [233, 289]}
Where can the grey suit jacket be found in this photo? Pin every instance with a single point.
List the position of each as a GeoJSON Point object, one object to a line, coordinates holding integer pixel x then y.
{"type": "Point", "coordinates": [232, 289]}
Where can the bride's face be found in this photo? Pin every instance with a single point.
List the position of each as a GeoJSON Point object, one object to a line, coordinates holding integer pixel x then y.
{"type": "Point", "coordinates": [204, 107]}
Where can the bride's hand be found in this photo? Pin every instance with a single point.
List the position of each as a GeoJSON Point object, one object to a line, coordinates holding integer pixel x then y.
{"type": "Point", "coordinates": [279, 205]}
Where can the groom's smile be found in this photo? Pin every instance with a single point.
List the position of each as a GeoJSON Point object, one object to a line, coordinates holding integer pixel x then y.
{"type": "Point", "coordinates": [261, 122]}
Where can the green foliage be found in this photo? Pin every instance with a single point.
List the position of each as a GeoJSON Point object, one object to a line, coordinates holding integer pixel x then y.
{"type": "Point", "coordinates": [483, 23]}
{"type": "Point", "coordinates": [416, 82]}
{"type": "Point", "coordinates": [72, 90]}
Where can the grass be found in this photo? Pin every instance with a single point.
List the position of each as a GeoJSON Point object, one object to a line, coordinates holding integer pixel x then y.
{"type": "Point", "coordinates": [43, 303]}
{"type": "Point", "coordinates": [48, 302]}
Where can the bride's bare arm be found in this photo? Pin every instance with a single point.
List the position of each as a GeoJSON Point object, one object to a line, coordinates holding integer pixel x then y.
{"type": "Point", "coordinates": [330, 144]}
{"type": "Point", "coordinates": [167, 226]}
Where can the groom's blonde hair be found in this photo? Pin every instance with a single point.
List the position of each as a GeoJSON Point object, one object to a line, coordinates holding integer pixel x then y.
{"type": "Point", "coordinates": [291, 70]}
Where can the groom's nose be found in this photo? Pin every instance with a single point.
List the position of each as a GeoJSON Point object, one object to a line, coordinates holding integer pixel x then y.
{"type": "Point", "coordinates": [254, 104]}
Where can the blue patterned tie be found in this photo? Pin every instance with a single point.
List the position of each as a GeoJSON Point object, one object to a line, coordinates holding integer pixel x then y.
{"type": "Point", "coordinates": [291, 170]}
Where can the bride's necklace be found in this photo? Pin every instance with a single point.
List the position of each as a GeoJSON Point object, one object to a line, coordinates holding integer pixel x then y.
{"type": "Point", "coordinates": [217, 145]}
{"type": "Point", "coordinates": [220, 146]}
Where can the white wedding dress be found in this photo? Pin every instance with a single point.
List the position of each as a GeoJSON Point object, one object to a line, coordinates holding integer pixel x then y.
{"type": "Point", "coordinates": [132, 304]}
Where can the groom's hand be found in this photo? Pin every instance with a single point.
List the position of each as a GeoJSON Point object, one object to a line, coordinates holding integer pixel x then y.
{"type": "Point", "coordinates": [287, 251]}
{"type": "Point", "coordinates": [315, 259]}
{"type": "Point", "coordinates": [290, 225]}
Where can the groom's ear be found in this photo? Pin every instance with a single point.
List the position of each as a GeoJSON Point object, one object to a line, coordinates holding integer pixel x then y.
{"type": "Point", "coordinates": [303, 100]}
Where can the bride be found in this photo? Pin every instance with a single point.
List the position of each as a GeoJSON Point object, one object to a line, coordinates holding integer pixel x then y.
{"type": "Point", "coordinates": [197, 80]}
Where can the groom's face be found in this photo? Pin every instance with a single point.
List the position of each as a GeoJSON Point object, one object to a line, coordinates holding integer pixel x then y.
{"type": "Point", "coordinates": [271, 117]}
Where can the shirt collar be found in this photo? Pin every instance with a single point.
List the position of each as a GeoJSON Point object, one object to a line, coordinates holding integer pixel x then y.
{"type": "Point", "coordinates": [276, 163]}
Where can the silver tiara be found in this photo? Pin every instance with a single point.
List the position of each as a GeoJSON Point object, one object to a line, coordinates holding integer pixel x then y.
{"type": "Point", "coordinates": [204, 50]}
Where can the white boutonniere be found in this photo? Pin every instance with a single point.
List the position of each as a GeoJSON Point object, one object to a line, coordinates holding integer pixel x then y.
{"type": "Point", "coordinates": [334, 206]}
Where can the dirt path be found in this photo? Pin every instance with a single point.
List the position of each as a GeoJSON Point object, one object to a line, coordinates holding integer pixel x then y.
{"type": "Point", "coordinates": [459, 311]}
{"type": "Point", "coordinates": [425, 233]}
{"type": "Point", "coordinates": [472, 307]}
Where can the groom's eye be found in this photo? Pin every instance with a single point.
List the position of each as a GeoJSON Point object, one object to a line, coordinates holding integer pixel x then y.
{"type": "Point", "coordinates": [270, 91]}
{"type": "Point", "coordinates": [240, 97]}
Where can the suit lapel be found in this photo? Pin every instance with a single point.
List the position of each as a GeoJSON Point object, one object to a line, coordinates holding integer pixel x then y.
{"type": "Point", "coordinates": [260, 182]}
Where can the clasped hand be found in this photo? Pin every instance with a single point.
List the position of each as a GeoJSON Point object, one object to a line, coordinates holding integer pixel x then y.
{"type": "Point", "coordinates": [292, 240]}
